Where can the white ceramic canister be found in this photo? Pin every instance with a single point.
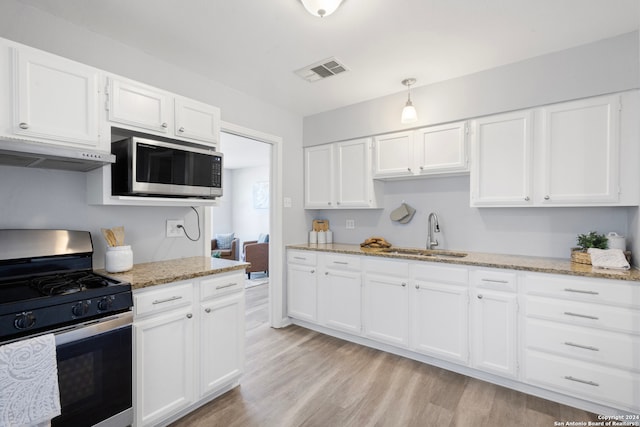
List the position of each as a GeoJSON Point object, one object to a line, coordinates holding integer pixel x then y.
{"type": "Point", "coordinates": [313, 237]}
{"type": "Point", "coordinates": [118, 259]}
{"type": "Point", "coordinates": [329, 236]}
{"type": "Point", "coordinates": [616, 241]}
{"type": "Point", "coordinates": [322, 237]}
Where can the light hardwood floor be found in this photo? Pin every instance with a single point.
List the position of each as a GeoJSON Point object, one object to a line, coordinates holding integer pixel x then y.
{"type": "Point", "coordinates": [297, 377]}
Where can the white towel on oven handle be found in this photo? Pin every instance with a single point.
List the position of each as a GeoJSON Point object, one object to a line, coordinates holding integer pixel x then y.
{"type": "Point", "coordinates": [29, 382]}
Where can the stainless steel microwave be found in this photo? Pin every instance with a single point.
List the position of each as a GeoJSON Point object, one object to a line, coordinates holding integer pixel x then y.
{"type": "Point", "coordinates": [147, 167]}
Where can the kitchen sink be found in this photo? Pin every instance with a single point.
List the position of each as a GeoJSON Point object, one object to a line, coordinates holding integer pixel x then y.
{"type": "Point", "coordinates": [435, 253]}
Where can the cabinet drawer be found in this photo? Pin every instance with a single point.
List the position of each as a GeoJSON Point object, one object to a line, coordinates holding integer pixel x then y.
{"type": "Point", "coordinates": [584, 314]}
{"type": "Point", "coordinates": [301, 257]}
{"type": "Point", "coordinates": [584, 289]}
{"type": "Point", "coordinates": [221, 285]}
{"type": "Point", "coordinates": [434, 273]}
{"type": "Point", "coordinates": [388, 268]}
{"type": "Point", "coordinates": [592, 345]}
{"type": "Point", "coordinates": [497, 280]}
{"type": "Point", "coordinates": [158, 300]}
{"type": "Point", "coordinates": [586, 380]}
{"type": "Point", "coordinates": [342, 262]}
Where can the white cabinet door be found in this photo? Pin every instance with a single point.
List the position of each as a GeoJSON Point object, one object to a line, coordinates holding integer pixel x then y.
{"type": "Point", "coordinates": [393, 155]}
{"type": "Point", "coordinates": [55, 98]}
{"type": "Point", "coordinates": [353, 169]}
{"type": "Point", "coordinates": [164, 369]}
{"type": "Point", "coordinates": [339, 299]}
{"type": "Point", "coordinates": [580, 151]}
{"type": "Point", "coordinates": [138, 105]}
{"type": "Point", "coordinates": [318, 176]}
{"type": "Point", "coordinates": [221, 341]}
{"type": "Point", "coordinates": [501, 170]}
{"type": "Point", "coordinates": [493, 331]}
{"type": "Point", "coordinates": [440, 318]}
{"type": "Point", "coordinates": [442, 149]}
{"type": "Point", "coordinates": [197, 121]}
{"type": "Point", "coordinates": [386, 309]}
{"type": "Point", "coordinates": [302, 287]}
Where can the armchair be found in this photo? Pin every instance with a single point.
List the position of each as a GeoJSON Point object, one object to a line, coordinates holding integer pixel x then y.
{"type": "Point", "coordinates": [257, 254]}
{"type": "Point", "coordinates": [227, 253]}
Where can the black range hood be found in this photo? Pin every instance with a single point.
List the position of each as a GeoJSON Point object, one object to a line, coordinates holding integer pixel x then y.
{"type": "Point", "coordinates": [17, 152]}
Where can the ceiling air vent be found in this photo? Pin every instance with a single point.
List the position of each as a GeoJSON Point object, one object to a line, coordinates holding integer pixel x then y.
{"type": "Point", "coordinates": [321, 70]}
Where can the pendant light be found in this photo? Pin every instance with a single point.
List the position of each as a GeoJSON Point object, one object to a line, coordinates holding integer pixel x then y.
{"type": "Point", "coordinates": [321, 8]}
{"type": "Point", "coordinates": [409, 114]}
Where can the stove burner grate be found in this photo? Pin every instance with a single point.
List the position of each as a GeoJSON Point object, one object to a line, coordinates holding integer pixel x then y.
{"type": "Point", "coordinates": [67, 283]}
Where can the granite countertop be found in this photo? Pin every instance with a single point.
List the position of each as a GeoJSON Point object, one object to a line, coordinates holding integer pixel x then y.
{"type": "Point", "coordinates": [513, 262]}
{"type": "Point", "coordinates": [160, 272]}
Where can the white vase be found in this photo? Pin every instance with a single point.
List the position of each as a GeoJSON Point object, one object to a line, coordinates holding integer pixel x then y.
{"type": "Point", "coordinates": [118, 259]}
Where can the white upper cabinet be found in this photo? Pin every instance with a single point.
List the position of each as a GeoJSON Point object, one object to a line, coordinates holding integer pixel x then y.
{"type": "Point", "coordinates": [580, 145]}
{"type": "Point", "coordinates": [141, 107]}
{"type": "Point", "coordinates": [55, 99]}
{"type": "Point", "coordinates": [441, 149]}
{"type": "Point", "coordinates": [138, 105]}
{"type": "Point", "coordinates": [435, 150]}
{"type": "Point", "coordinates": [338, 176]}
{"type": "Point", "coordinates": [501, 150]}
{"type": "Point", "coordinates": [393, 155]}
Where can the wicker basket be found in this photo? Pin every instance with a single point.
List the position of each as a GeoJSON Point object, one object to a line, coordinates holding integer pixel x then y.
{"type": "Point", "coordinates": [581, 256]}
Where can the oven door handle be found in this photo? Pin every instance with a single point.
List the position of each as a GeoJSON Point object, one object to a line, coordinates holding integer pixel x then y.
{"type": "Point", "coordinates": [92, 328]}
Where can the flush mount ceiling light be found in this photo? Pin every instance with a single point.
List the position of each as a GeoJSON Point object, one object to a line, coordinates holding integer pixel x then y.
{"type": "Point", "coordinates": [409, 114]}
{"type": "Point", "coordinates": [321, 8]}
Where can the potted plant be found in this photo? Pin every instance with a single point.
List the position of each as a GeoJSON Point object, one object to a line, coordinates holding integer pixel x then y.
{"type": "Point", "coordinates": [586, 241]}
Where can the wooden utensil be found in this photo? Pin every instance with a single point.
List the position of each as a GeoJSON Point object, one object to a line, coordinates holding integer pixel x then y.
{"type": "Point", "coordinates": [109, 237]}
{"type": "Point", "coordinates": [118, 232]}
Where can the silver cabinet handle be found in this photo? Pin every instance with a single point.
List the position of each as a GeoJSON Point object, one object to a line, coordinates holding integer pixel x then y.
{"type": "Point", "coordinates": [547, 197]}
{"type": "Point", "coordinates": [586, 347]}
{"type": "Point", "coordinates": [578, 291]}
{"type": "Point", "coordinates": [161, 301]}
{"type": "Point", "coordinates": [181, 130]}
{"type": "Point", "coordinates": [585, 316]}
{"type": "Point", "coordinates": [409, 169]}
{"type": "Point", "coordinates": [421, 168]}
{"type": "Point", "coordinates": [189, 316]}
{"type": "Point", "coordinates": [226, 286]}
{"type": "Point", "coordinates": [300, 257]}
{"type": "Point", "coordinates": [404, 284]}
{"type": "Point", "coordinates": [418, 287]}
{"type": "Point", "coordinates": [312, 271]}
{"type": "Point", "coordinates": [23, 125]}
{"type": "Point", "coordinates": [341, 262]}
{"type": "Point", "coordinates": [207, 310]}
{"type": "Point", "coordinates": [495, 281]}
{"type": "Point", "coordinates": [526, 199]}
{"type": "Point", "coordinates": [578, 380]}
{"type": "Point", "coordinates": [164, 125]}
{"type": "Point", "coordinates": [337, 203]}
{"type": "Point", "coordinates": [479, 296]}
{"type": "Point", "coordinates": [326, 273]}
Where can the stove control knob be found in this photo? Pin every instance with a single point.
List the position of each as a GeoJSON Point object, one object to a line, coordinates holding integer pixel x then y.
{"type": "Point", "coordinates": [25, 320]}
{"type": "Point", "coordinates": [105, 303]}
{"type": "Point", "coordinates": [80, 309]}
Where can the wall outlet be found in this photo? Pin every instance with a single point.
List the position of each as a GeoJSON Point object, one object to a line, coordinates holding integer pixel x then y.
{"type": "Point", "coordinates": [351, 224]}
{"type": "Point", "coordinates": [172, 228]}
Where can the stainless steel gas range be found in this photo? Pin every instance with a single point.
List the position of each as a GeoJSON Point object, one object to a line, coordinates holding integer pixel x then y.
{"type": "Point", "coordinates": [47, 285]}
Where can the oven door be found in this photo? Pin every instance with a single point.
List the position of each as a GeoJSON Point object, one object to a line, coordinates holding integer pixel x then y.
{"type": "Point", "coordinates": [95, 373]}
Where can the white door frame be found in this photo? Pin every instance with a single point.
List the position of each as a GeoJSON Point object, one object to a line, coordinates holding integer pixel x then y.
{"type": "Point", "coordinates": [276, 247]}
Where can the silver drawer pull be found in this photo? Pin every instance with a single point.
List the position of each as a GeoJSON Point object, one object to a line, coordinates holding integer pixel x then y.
{"type": "Point", "coordinates": [207, 310]}
{"type": "Point", "coordinates": [586, 347]}
{"type": "Point", "coordinates": [578, 291]}
{"type": "Point", "coordinates": [226, 286]}
{"type": "Point", "coordinates": [189, 316]}
{"type": "Point", "coordinates": [341, 262]}
{"type": "Point", "coordinates": [300, 257]}
{"type": "Point", "coordinates": [585, 316]}
{"type": "Point", "coordinates": [495, 281]}
{"type": "Point", "coordinates": [161, 301]}
{"type": "Point", "coordinates": [578, 380]}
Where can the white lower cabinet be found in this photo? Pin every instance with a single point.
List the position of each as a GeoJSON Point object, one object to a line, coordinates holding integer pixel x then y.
{"type": "Point", "coordinates": [386, 302]}
{"type": "Point", "coordinates": [494, 310]}
{"type": "Point", "coordinates": [439, 312]}
{"type": "Point", "coordinates": [340, 293]}
{"type": "Point", "coordinates": [188, 345]}
{"type": "Point", "coordinates": [302, 298]}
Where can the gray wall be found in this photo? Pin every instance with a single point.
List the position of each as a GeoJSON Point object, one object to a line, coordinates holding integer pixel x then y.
{"type": "Point", "coordinates": [57, 199]}
{"type": "Point", "coordinates": [606, 66]}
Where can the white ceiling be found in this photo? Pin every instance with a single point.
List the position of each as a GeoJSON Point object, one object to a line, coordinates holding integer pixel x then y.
{"type": "Point", "coordinates": [256, 45]}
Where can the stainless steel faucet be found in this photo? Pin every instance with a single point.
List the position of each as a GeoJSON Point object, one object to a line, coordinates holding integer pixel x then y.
{"type": "Point", "coordinates": [432, 228]}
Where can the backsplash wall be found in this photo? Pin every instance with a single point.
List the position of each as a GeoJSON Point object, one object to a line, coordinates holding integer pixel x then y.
{"type": "Point", "coordinates": [547, 232]}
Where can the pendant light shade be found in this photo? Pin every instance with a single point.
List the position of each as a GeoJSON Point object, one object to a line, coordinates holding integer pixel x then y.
{"type": "Point", "coordinates": [321, 8]}
{"type": "Point", "coordinates": [409, 113]}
